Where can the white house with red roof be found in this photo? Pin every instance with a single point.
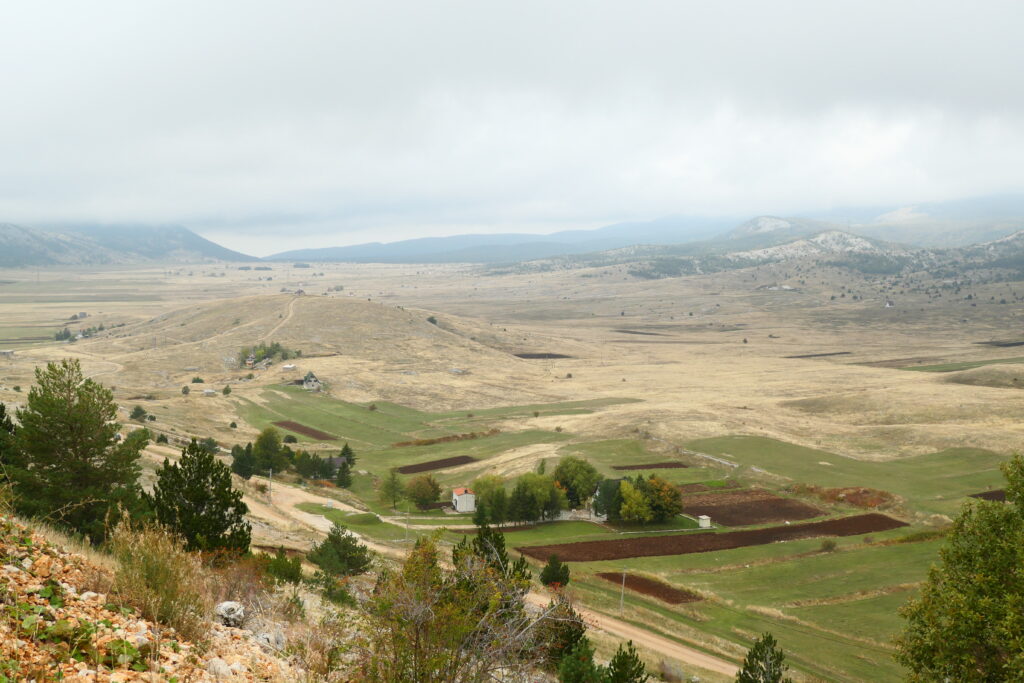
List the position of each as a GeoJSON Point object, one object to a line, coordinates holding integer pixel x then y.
{"type": "Point", "coordinates": [463, 500]}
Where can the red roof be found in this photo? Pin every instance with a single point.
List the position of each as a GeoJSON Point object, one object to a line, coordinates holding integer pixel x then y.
{"type": "Point", "coordinates": [461, 491]}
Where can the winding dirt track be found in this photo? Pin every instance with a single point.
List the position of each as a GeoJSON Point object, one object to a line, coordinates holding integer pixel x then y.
{"type": "Point", "coordinates": [285, 498]}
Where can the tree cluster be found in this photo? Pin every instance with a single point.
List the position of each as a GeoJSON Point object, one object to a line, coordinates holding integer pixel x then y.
{"type": "Point", "coordinates": [639, 500]}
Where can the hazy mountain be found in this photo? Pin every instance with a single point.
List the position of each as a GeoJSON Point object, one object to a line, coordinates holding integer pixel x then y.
{"type": "Point", "coordinates": [509, 247]}
{"type": "Point", "coordinates": [97, 245]}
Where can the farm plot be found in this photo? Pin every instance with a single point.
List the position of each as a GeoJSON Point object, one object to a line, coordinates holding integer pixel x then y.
{"type": "Point", "coordinates": [651, 466]}
{"type": "Point", "coordinates": [995, 494]}
{"type": "Point", "coordinates": [655, 589]}
{"type": "Point", "coordinates": [683, 544]}
{"type": "Point", "coordinates": [746, 507]}
{"type": "Point", "coordinates": [436, 464]}
{"type": "Point", "coordinates": [701, 486]}
{"type": "Point", "coordinates": [304, 430]}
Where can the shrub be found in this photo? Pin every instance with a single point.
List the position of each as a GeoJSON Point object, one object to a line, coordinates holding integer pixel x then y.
{"type": "Point", "coordinates": [285, 569]}
{"type": "Point", "coordinates": [197, 380]}
{"type": "Point", "coordinates": [138, 413]}
{"type": "Point", "coordinates": [290, 438]}
{"type": "Point", "coordinates": [828, 545]}
{"type": "Point", "coordinates": [226, 390]}
{"type": "Point", "coordinates": [161, 438]}
{"type": "Point", "coordinates": [555, 573]}
{"type": "Point", "coordinates": [185, 390]}
{"type": "Point", "coordinates": [159, 578]}
{"type": "Point", "coordinates": [233, 425]}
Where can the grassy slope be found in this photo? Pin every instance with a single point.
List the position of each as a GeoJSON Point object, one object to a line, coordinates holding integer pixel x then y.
{"type": "Point", "coordinates": [963, 365]}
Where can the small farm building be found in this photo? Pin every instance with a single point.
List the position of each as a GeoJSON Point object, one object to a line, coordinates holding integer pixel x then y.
{"type": "Point", "coordinates": [6, 353]}
{"type": "Point", "coordinates": [704, 522]}
{"type": "Point", "coordinates": [310, 382]}
{"type": "Point", "coordinates": [463, 500]}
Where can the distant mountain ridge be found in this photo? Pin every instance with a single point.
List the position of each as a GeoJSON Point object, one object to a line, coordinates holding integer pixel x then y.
{"type": "Point", "coordinates": [83, 244]}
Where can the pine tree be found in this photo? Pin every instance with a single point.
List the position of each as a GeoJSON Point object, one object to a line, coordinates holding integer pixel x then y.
{"type": "Point", "coordinates": [626, 666]}
{"type": "Point", "coordinates": [66, 460]}
{"type": "Point", "coordinates": [764, 663]}
{"type": "Point", "coordinates": [243, 462]}
{"type": "Point", "coordinates": [348, 454]}
{"type": "Point", "coordinates": [392, 489]}
{"type": "Point", "coordinates": [7, 431]}
{"type": "Point", "coordinates": [480, 516]}
{"type": "Point", "coordinates": [558, 633]}
{"type": "Point", "coordinates": [555, 573]}
{"type": "Point", "coordinates": [340, 554]}
{"type": "Point", "coordinates": [194, 497]}
{"type": "Point", "coordinates": [578, 665]}
{"type": "Point", "coordinates": [489, 545]}
{"type": "Point", "coordinates": [343, 477]}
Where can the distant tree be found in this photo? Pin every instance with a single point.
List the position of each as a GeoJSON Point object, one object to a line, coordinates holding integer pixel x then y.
{"type": "Point", "coordinates": [764, 663]}
{"type": "Point", "coordinates": [340, 554]}
{"type": "Point", "coordinates": [522, 506]}
{"type": "Point", "coordinates": [608, 500]}
{"type": "Point", "coordinates": [626, 666]}
{"type": "Point", "coordinates": [138, 413]}
{"type": "Point", "coordinates": [490, 493]}
{"type": "Point", "coordinates": [197, 380]}
{"type": "Point", "coordinates": [548, 497]}
{"type": "Point", "coordinates": [578, 665]}
{"type": "Point", "coordinates": [423, 490]}
{"type": "Point", "coordinates": [66, 460]}
{"type": "Point", "coordinates": [343, 477]}
{"type": "Point", "coordinates": [243, 462]}
{"type": "Point", "coordinates": [161, 438]}
{"type": "Point", "coordinates": [348, 454]}
{"type": "Point", "coordinates": [967, 623]}
{"type": "Point", "coordinates": [268, 452]}
{"type": "Point", "coordinates": [578, 477]}
{"type": "Point", "coordinates": [185, 390]}
{"type": "Point", "coordinates": [480, 515]}
{"type": "Point", "coordinates": [226, 390]}
{"type": "Point", "coordinates": [635, 507]}
{"type": "Point", "coordinates": [555, 573]}
{"type": "Point", "coordinates": [290, 438]}
{"type": "Point", "coordinates": [392, 489]}
{"type": "Point", "coordinates": [195, 498]}
{"type": "Point", "coordinates": [663, 499]}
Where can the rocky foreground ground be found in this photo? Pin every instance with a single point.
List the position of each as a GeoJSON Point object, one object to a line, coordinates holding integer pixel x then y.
{"type": "Point", "coordinates": [52, 627]}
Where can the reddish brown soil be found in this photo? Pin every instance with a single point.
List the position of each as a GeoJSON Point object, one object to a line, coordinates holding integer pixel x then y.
{"type": "Point", "coordinates": [446, 439]}
{"type": "Point", "coordinates": [742, 508]}
{"type": "Point", "coordinates": [304, 430]}
{"type": "Point", "coordinates": [699, 488]}
{"type": "Point", "coordinates": [671, 465]}
{"type": "Point", "coordinates": [683, 544]}
{"type": "Point", "coordinates": [656, 589]}
{"type": "Point", "coordinates": [997, 494]}
{"type": "Point", "coordinates": [436, 464]}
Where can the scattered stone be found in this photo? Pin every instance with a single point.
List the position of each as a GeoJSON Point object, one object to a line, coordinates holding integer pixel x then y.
{"type": "Point", "coordinates": [230, 613]}
{"type": "Point", "coordinates": [218, 668]}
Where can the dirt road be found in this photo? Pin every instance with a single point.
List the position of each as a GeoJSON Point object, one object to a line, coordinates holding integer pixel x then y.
{"type": "Point", "coordinates": [286, 497]}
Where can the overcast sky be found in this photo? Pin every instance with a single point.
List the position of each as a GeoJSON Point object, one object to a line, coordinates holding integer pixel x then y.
{"type": "Point", "coordinates": [275, 125]}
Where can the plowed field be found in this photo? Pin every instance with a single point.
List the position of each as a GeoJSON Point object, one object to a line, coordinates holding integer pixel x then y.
{"type": "Point", "coordinates": [996, 494]}
{"type": "Point", "coordinates": [683, 544]}
{"type": "Point", "coordinates": [436, 464]}
{"type": "Point", "coordinates": [742, 508]}
{"type": "Point", "coordinates": [304, 430]}
{"type": "Point", "coordinates": [671, 465]}
{"type": "Point", "coordinates": [656, 589]}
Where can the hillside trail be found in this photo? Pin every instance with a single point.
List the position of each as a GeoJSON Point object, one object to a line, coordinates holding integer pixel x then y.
{"type": "Point", "coordinates": [286, 497]}
{"type": "Point", "coordinates": [284, 321]}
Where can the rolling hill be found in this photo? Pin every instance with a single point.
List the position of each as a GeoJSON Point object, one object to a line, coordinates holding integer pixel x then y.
{"type": "Point", "coordinates": [106, 245]}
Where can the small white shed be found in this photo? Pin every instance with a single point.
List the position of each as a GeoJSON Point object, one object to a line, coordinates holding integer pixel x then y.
{"type": "Point", "coordinates": [704, 522]}
{"type": "Point", "coordinates": [463, 500]}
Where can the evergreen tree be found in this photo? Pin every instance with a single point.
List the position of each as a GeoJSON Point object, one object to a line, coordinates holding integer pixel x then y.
{"type": "Point", "coordinates": [392, 489]}
{"type": "Point", "coordinates": [559, 632]}
{"type": "Point", "coordinates": [626, 666]}
{"type": "Point", "coordinates": [967, 623]}
{"type": "Point", "coordinates": [522, 507]}
{"type": "Point", "coordinates": [608, 500]}
{"type": "Point", "coordinates": [194, 497]}
{"type": "Point", "coordinates": [578, 665]}
{"type": "Point", "coordinates": [488, 545]}
{"type": "Point", "coordinates": [7, 431]}
{"type": "Point", "coordinates": [243, 462]}
{"type": "Point", "coordinates": [764, 663]}
{"type": "Point", "coordinates": [285, 569]}
{"type": "Point", "coordinates": [348, 454]}
{"type": "Point", "coordinates": [66, 459]}
{"type": "Point", "coordinates": [340, 554]}
{"type": "Point", "coordinates": [343, 477]}
{"type": "Point", "coordinates": [269, 453]}
{"type": "Point", "coordinates": [555, 573]}
{"type": "Point", "coordinates": [480, 516]}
